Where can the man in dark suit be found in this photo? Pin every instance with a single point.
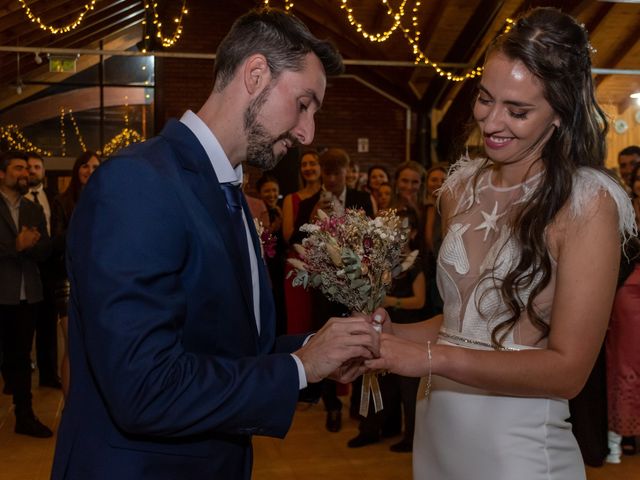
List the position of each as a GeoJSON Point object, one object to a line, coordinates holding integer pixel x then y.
{"type": "Point", "coordinates": [174, 361]}
{"type": "Point", "coordinates": [46, 313]}
{"type": "Point", "coordinates": [334, 197]}
{"type": "Point", "coordinates": [23, 243]}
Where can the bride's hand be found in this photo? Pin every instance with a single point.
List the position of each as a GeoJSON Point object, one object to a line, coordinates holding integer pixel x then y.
{"type": "Point", "coordinates": [400, 356]}
{"type": "Point", "coordinates": [381, 317]}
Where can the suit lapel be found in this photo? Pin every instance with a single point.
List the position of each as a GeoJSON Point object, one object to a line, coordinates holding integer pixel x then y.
{"type": "Point", "coordinates": [199, 174]}
{"type": "Point", "coordinates": [267, 307]}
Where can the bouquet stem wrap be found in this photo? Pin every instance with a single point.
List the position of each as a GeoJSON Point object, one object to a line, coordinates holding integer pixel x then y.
{"type": "Point", "coordinates": [370, 389]}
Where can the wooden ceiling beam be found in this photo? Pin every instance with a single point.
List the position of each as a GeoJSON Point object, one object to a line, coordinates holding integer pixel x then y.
{"type": "Point", "coordinates": [619, 54]}
{"type": "Point", "coordinates": [464, 46]}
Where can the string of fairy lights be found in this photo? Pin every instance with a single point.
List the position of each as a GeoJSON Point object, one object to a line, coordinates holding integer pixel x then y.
{"type": "Point", "coordinates": [17, 140]}
{"type": "Point", "coordinates": [170, 41]}
{"type": "Point", "coordinates": [398, 16]}
{"type": "Point", "coordinates": [57, 30]}
{"type": "Point", "coordinates": [152, 6]}
{"type": "Point", "coordinates": [411, 33]}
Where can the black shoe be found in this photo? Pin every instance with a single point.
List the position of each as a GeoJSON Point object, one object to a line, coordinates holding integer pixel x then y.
{"type": "Point", "coordinates": [30, 425]}
{"type": "Point", "coordinates": [362, 440]}
{"type": "Point", "coordinates": [354, 413]}
{"type": "Point", "coordinates": [628, 445]}
{"type": "Point", "coordinates": [51, 383]}
{"type": "Point", "coordinates": [334, 420]}
{"type": "Point", "coordinates": [390, 433]}
{"type": "Point", "coordinates": [402, 446]}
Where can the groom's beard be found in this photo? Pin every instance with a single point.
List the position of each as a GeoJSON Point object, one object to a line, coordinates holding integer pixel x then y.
{"type": "Point", "coordinates": [260, 144]}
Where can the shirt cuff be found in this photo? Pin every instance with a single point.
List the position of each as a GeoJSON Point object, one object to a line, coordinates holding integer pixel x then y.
{"type": "Point", "coordinates": [302, 377]}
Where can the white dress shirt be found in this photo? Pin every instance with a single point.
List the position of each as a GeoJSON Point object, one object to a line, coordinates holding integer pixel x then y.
{"type": "Point", "coordinates": [227, 174]}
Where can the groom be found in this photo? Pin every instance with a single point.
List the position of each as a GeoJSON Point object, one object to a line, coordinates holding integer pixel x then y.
{"type": "Point", "coordinates": [174, 364]}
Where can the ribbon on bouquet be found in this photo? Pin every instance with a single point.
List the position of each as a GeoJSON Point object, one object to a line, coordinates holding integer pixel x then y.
{"type": "Point", "coordinates": [370, 388]}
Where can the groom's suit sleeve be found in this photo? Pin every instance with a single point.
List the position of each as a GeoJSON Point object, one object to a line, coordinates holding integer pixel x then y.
{"type": "Point", "coordinates": [168, 339]}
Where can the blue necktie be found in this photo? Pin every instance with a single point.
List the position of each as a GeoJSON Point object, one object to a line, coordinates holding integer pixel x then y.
{"type": "Point", "coordinates": [233, 195]}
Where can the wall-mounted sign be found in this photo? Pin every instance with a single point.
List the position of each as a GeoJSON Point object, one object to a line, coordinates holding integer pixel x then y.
{"type": "Point", "coordinates": [62, 63]}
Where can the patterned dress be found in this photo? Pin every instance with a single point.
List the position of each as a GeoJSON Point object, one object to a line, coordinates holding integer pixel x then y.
{"type": "Point", "coordinates": [464, 432]}
{"type": "Point", "coordinates": [623, 358]}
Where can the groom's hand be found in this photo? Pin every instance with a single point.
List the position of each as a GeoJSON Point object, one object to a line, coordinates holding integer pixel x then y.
{"type": "Point", "coordinates": [349, 371]}
{"type": "Point", "coordinates": [334, 345]}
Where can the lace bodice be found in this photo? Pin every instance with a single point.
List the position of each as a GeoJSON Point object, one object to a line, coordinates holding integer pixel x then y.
{"type": "Point", "coordinates": [478, 250]}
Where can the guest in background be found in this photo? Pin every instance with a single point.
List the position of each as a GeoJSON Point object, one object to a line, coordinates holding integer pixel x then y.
{"type": "Point", "coordinates": [353, 175]}
{"type": "Point", "coordinates": [311, 180]}
{"type": "Point", "coordinates": [23, 243]}
{"type": "Point", "coordinates": [61, 210]}
{"type": "Point", "coordinates": [433, 237]}
{"type": "Point", "coordinates": [256, 206]}
{"type": "Point", "coordinates": [298, 300]}
{"type": "Point", "coordinates": [269, 191]}
{"type": "Point", "coordinates": [623, 357]}
{"type": "Point", "coordinates": [376, 176]}
{"type": "Point", "coordinates": [384, 196]}
{"type": "Point", "coordinates": [628, 158]}
{"type": "Point", "coordinates": [46, 312]}
{"type": "Point", "coordinates": [410, 186]}
{"type": "Point", "coordinates": [410, 190]}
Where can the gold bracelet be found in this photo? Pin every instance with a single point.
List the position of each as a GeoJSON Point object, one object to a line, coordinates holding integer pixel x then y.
{"type": "Point", "coordinates": [427, 390]}
{"type": "Point", "coordinates": [398, 304]}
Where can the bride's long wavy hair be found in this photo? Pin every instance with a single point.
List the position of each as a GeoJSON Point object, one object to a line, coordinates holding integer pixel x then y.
{"type": "Point", "coordinates": [557, 51]}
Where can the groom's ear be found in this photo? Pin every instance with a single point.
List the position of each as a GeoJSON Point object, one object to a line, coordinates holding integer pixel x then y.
{"type": "Point", "coordinates": [256, 73]}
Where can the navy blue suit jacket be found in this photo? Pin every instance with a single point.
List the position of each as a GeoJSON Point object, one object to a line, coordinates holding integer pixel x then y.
{"type": "Point", "coordinates": [169, 375]}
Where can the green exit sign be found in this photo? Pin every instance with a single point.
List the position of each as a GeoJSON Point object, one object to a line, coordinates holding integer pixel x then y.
{"type": "Point", "coordinates": [62, 64]}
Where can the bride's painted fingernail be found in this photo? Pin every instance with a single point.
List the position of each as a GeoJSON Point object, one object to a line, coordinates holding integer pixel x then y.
{"type": "Point", "coordinates": [377, 318]}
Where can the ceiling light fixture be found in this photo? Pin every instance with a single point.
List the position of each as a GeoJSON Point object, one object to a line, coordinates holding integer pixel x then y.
{"type": "Point", "coordinates": [19, 83]}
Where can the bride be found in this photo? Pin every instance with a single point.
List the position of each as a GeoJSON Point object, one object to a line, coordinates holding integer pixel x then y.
{"type": "Point", "coordinates": [527, 270]}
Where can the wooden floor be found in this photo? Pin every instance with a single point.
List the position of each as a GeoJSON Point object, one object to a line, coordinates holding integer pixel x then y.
{"type": "Point", "coordinates": [309, 452]}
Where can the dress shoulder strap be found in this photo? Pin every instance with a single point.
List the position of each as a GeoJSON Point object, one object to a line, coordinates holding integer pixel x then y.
{"type": "Point", "coordinates": [589, 182]}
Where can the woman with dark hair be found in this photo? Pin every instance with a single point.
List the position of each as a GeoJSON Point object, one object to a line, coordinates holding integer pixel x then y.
{"type": "Point", "coordinates": [61, 210]}
{"type": "Point", "coordinates": [527, 268]}
{"type": "Point", "coordinates": [377, 175]}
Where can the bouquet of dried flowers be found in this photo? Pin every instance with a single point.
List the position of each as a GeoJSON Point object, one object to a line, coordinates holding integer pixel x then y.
{"type": "Point", "coordinates": [352, 259]}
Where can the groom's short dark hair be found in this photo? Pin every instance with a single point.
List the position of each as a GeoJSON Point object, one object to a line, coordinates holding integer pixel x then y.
{"type": "Point", "coordinates": [281, 37]}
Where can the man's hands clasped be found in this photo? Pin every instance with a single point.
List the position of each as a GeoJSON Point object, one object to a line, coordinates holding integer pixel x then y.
{"type": "Point", "coordinates": [340, 348]}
